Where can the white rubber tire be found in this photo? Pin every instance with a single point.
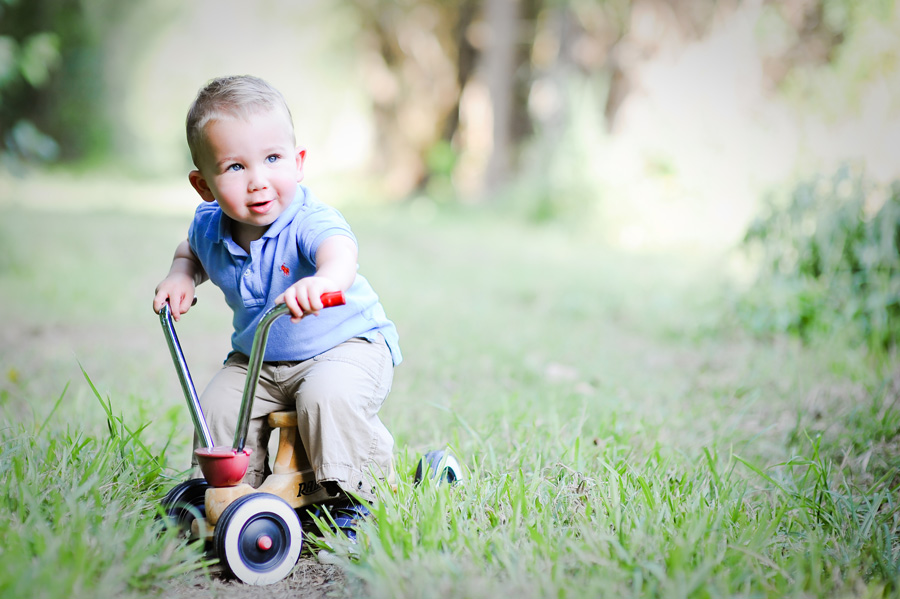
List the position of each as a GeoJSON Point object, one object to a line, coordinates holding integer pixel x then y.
{"type": "Point", "coordinates": [243, 520]}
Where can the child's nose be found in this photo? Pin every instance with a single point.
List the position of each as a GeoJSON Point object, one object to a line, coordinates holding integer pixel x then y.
{"type": "Point", "coordinates": [257, 181]}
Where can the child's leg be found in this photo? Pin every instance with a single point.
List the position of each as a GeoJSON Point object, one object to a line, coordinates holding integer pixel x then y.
{"type": "Point", "coordinates": [339, 395]}
{"type": "Point", "coordinates": [221, 403]}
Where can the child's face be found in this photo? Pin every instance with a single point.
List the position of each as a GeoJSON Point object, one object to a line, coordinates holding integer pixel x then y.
{"type": "Point", "coordinates": [251, 168]}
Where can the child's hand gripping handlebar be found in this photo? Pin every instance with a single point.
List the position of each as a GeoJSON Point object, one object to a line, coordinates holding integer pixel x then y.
{"type": "Point", "coordinates": [257, 351]}
{"type": "Point", "coordinates": [333, 298]}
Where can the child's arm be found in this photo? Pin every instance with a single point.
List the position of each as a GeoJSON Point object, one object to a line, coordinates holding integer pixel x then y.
{"type": "Point", "coordinates": [335, 271]}
{"type": "Point", "coordinates": [178, 287]}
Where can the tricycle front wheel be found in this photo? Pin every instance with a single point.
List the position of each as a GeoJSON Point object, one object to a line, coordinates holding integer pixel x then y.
{"type": "Point", "coordinates": [259, 538]}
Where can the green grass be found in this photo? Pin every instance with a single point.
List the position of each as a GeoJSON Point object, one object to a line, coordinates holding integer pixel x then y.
{"type": "Point", "coordinates": [79, 512]}
{"type": "Point", "coordinates": [623, 436]}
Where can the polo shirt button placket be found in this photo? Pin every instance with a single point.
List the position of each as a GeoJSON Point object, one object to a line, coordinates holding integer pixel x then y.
{"type": "Point", "coordinates": [247, 285]}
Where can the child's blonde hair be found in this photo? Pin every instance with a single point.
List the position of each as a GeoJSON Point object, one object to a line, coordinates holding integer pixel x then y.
{"type": "Point", "coordinates": [236, 97]}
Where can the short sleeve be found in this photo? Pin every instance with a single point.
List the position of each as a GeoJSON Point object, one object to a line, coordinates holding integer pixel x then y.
{"type": "Point", "coordinates": [318, 223]}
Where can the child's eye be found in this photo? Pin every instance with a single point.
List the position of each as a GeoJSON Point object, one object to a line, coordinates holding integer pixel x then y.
{"type": "Point", "coordinates": [273, 158]}
{"type": "Point", "coordinates": [234, 167]}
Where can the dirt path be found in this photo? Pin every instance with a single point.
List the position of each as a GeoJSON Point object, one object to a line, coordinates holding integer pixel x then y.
{"type": "Point", "coordinates": [310, 580]}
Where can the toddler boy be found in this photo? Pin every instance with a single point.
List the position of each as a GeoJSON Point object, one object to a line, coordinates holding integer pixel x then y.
{"type": "Point", "coordinates": [263, 239]}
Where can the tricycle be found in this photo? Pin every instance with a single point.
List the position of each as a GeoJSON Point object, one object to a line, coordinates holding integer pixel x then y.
{"type": "Point", "coordinates": [257, 533]}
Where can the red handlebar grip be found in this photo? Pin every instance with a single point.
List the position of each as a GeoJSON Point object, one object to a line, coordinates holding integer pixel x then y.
{"type": "Point", "coordinates": [333, 298]}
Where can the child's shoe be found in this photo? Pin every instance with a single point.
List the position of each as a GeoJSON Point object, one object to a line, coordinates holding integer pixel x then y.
{"type": "Point", "coordinates": [346, 519]}
{"type": "Point", "coordinates": [348, 516]}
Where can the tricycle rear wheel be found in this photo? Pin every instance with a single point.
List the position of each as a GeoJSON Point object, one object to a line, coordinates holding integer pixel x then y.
{"type": "Point", "coordinates": [184, 503]}
{"type": "Point", "coordinates": [440, 466]}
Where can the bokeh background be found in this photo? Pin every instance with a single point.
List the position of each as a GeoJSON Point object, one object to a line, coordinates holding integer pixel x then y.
{"type": "Point", "coordinates": [762, 133]}
{"type": "Point", "coordinates": [655, 123]}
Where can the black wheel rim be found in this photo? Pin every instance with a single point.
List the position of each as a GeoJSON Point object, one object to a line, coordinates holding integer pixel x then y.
{"type": "Point", "coordinates": [269, 525]}
{"type": "Point", "coordinates": [186, 502]}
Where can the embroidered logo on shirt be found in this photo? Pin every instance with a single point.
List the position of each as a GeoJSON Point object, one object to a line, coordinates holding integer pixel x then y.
{"type": "Point", "coordinates": [285, 270]}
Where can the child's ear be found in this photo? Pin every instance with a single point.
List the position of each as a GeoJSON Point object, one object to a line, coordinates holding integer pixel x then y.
{"type": "Point", "coordinates": [198, 182]}
{"type": "Point", "coordinates": [300, 155]}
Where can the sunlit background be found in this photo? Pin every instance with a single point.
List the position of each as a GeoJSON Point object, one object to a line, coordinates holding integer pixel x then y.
{"type": "Point", "coordinates": [759, 133]}
{"type": "Point", "coordinates": [659, 123]}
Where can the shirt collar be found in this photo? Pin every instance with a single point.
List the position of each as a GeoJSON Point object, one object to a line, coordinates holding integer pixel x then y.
{"type": "Point", "coordinates": [215, 229]}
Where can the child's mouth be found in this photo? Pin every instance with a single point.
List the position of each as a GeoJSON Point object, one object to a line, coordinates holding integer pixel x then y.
{"type": "Point", "coordinates": [260, 208]}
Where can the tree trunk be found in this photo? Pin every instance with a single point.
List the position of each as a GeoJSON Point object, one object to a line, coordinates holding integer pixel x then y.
{"type": "Point", "coordinates": [502, 19]}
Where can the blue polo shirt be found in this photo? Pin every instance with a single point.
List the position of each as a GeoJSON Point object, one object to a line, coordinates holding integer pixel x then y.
{"type": "Point", "coordinates": [283, 255]}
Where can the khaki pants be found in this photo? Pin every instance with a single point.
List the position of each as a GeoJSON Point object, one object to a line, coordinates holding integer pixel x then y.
{"type": "Point", "coordinates": [337, 396]}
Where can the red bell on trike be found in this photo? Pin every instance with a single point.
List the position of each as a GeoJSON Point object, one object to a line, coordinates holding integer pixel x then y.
{"type": "Point", "coordinates": [223, 466]}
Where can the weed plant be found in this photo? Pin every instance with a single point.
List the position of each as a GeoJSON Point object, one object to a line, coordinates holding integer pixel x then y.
{"type": "Point", "coordinates": [830, 260]}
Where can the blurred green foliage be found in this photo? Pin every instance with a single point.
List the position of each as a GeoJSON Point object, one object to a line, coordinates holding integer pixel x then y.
{"type": "Point", "coordinates": [28, 56]}
{"type": "Point", "coordinates": [52, 100]}
{"type": "Point", "coordinates": [830, 260]}
{"type": "Point", "coordinates": [865, 50]}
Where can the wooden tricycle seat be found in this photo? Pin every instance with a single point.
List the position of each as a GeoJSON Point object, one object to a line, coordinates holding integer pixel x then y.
{"type": "Point", "coordinates": [283, 419]}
